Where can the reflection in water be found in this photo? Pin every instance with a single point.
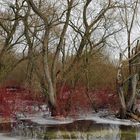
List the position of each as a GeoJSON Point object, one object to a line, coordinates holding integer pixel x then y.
{"type": "Point", "coordinates": [128, 133]}
{"type": "Point", "coordinates": [77, 130]}
{"type": "Point", "coordinates": [81, 129]}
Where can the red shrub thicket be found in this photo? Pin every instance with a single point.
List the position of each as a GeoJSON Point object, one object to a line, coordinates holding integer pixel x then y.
{"type": "Point", "coordinates": [17, 99]}
{"type": "Point", "coordinates": [105, 98]}
{"type": "Point", "coordinates": [70, 101]}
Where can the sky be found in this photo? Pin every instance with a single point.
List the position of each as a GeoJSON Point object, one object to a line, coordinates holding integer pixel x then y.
{"type": "Point", "coordinates": [122, 39]}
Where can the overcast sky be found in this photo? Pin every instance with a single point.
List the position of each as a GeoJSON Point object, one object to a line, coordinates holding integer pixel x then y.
{"type": "Point", "coordinates": [122, 37]}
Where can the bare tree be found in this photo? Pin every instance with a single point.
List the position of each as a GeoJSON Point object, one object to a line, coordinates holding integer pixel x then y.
{"type": "Point", "coordinates": [128, 100]}
{"type": "Point", "coordinates": [78, 32]}
{"type": "Point", "coordinates": [11, 34]}
{"type": "Point", "coordinates": [50, 76]}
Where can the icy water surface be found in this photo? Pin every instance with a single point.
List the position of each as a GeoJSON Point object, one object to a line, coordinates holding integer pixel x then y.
{"type": "Point", "coordinates": [89, 128]}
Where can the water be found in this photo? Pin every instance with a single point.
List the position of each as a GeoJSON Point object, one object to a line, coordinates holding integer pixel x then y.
{"type": "Point", "coordinates": [89, 128]}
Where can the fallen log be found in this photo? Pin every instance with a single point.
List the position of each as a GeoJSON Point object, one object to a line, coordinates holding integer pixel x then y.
{"type": "Point", "coordinates": [133, 116]}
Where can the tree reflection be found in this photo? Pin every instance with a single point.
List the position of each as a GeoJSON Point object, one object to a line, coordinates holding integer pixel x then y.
{"type": "Point", "coordinates": [128, 133]}
{"type": "Point", "coordinates": [80, 129]}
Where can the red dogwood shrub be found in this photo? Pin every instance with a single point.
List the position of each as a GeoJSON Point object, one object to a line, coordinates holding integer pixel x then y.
{"type": "Point", "coordinates": [72, 101]}
{"type": "Point", "coordinates": [17, 99]}
{"type": "Point", "coordinates": [105, 98]}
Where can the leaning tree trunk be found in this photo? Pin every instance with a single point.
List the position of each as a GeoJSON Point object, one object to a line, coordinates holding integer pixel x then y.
{"type": "Point", "coordinates": [131, 104]}
{"type": "Point", "coordinates": [127, 101]}
{"type": "Point", "coordinates": [122, 112]}
{"type": "Point", "coordinates": [51, 85]}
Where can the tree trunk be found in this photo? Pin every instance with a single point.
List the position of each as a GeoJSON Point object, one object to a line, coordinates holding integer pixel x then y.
{"type": "Point", "coordinates": [131, 102]}
{"type": "Point", "coordinates": [128, 107]}
{"type": "Point", "coordinates": [47, 75]}
{"type": "Point", "coordinates": [123, 109]}
{"type": "Point", "coordinates": [122, 112]}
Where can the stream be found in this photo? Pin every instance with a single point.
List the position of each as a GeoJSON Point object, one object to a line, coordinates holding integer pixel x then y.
{"type": "Point", "coordinates": [92, 127]}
